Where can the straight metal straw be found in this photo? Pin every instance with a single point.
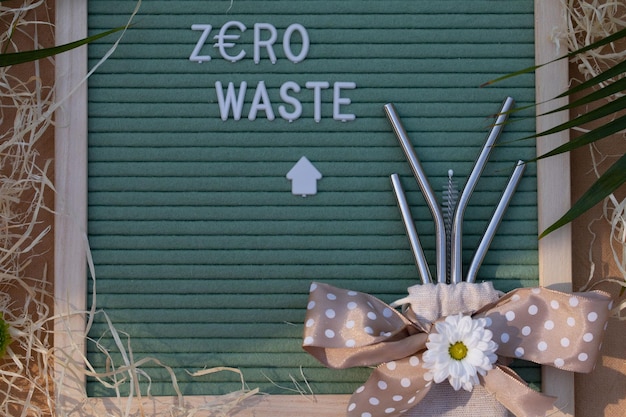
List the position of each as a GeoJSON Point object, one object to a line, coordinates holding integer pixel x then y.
{"type": "Point", "coordinates": [485, 242]}
{"type": "Point", "coordinates": [411, 232]}
{"type": "Point", "coordinates": [456, 238]}
{"type": "Point", "coordinates": [427, 191]}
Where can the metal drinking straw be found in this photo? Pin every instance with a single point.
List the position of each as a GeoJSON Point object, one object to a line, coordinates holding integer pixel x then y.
{"type": "Point", "coordinates": [422, 180]}
{"type": "Point", "coordinates": [456, 238]}
{"type": "Point", "coordinates": [483, 246]}
{"type": "Point", "coordinates": [407, 219]}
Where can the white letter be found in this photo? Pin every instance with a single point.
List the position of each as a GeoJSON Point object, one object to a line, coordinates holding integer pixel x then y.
{"type": "Point", "coordinates": [338, 101]}
{"type": "Point", "coordinates": [317, 86]}
{"type": "Point", "coordinates": [261, 95]}
{"type": "Point", "coordinates": [222, 36]}
{"type": "Point", "coordinates": [231, 101]}
{"type": "Point", "coordinates": [287, 43]}
{"type": "Point", "coordinates": [297, 106]}
{"type": "Point", "coordinates": [258, 43]}
{"type": "Point", "coordinates": [194, 54]}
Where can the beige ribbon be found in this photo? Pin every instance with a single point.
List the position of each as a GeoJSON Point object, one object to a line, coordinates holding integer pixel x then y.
{"type": "Point", "coordinates": [347, 328]}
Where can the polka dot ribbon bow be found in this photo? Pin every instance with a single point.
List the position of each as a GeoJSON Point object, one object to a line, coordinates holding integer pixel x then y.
{"type": "Point", "coordinates": [346, 329]}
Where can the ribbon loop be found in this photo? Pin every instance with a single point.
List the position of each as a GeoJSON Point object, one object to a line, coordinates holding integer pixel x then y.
{"type": "Point", "coordinates": [349, 328]}
{"type": "Point", "coordinates": [549, 327]}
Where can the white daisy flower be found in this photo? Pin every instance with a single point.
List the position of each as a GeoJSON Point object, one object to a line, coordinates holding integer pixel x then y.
{"type": "Point", "coordinates": [459, 350]}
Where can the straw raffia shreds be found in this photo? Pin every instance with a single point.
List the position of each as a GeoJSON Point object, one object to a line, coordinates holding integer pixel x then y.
{"type": "Point", "coordinates": [25, 382]}
{"type": "Point", "coordinates": [589, 21]}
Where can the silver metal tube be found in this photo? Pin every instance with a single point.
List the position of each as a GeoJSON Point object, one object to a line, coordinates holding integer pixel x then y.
{"type": "Point", "coordinates": [411, 232]}
{"type": "Point", "coordinates": [427, 191]}
{"type": "Point", "coordinates": [485, 242]}
{"type": "Point", "coordinates": [456, 252]}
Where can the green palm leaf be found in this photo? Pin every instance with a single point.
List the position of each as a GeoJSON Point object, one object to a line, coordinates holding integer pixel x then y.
{"type": "Point", "coordinates": [28, 56]}
{"type": "Point", "coordinates": [621, 34]}
{"type": "Point", "coordinates": [608, 182]}
{"type": "Point", "coordinates": [616, 174]}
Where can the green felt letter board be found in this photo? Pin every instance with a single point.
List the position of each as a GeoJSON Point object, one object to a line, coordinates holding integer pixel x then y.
{"type": "Point", "coordinates": [203, 253]}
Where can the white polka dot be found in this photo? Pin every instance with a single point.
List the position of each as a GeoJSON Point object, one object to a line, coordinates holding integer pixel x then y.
{"type": "Point", "coordinates": [510, 316]}
{"type": "Point", "coordinates": [352, 293]}
{"type": "Point", "coordinates": [313, 287]}
{"type": "Point", "coordinates": [371, 315]}
{"type": "Point", "coordinates": [329, 333]}
{"type": "Point", "coordinates": [414, 361]}
{"type": "Point", "coordinates": [368, 330]}
{"type": "Point", "coordinates": [350, 343]}
{"type": "Point", "coordinates": [549, 325]}
{"type": "Point", "coordinates": [387, 312]}
{"type": "Point", "coordinates": [571, 322]}
{"type": "Point", "coordinates": [488, 321]}
{"type": "Point", "coordinates": [526, 330]}
{"type": "Point", "coordinates": [554, 304]}
{"type": "Point", "coordinates": [587, 337]}
{"type": "Point", "coordinates": [397, 398]}
{"type": "Point", "coordinates": [593, 316]}
{"type": "Point", "coordinates": [366, 414]}
{"type": "Point", "coordinates": [311, 305]}
{"type": "Point", "coordinates": [331, 296]}
{"type": "Point", "coordinates": [360, 389]}
{"type": "Point", "coordinates": [583, 357]}
{"type": "Point", "coordinates": [532, 310]}
{"type": "Point", "coordinates": [542, 346]}
{"type": "Point", "coordinates": [565, 342]}
{"type": "Point", "coordinates": [330, 313]}
{"type": "Point", "coordinates": [382, 385]}
{"type": "Point", "coordinates": [536, 290]}
{"type": "Point", "coordinates": [350, 324]}
{"type": "Point", "coordinates": [519, 352]}
{"type": "Point", "coordinates": [411, 400]}
{"type": "Point", "coordinates": [310, 323]}
{"type": "Point", "coordinates": [405, 382]}
{"type": "Point", "coordinates": [504, 337]}
{"type": "Point", "coordinates": [516, 297]}
{"type": "Point", "coordinates": [391, 365]}
{"type": "Point", "coordinates": [374, 401]}
{"type": "Point", "coordinates": [308, 340]}
{"type": "Point", "coordinates": [385, 334]}
{"type": "Point", "coordinates": [389, 410]}
{"type": "Point", "coordinates": [610, 306]}
{"type": "Point", "coordinates": [558, 362]}
{"type": "Point", "coordinates": [352, 406]}
{"type": "Point", "coordinates": [573, 301]}
{"type": "Point", "coordinates": [351, 305]}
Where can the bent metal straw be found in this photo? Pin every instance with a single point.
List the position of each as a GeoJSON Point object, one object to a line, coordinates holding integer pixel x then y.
{"type": "Point", "coordinates": [422, 180]}
{"type": "Point", "coordinates": [456, 250]}
{"type": "Point", "coordinates": [481, 251]}
{"type": "Point", "coordinates": [416, 247]}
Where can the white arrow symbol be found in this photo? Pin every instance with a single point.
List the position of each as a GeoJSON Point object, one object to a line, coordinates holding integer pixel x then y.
{"type": "Point", "coordinates": [304, 177]}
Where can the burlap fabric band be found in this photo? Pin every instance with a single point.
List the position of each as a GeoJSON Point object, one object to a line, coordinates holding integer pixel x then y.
{"type": "Point", "coordinates": [437, 301]}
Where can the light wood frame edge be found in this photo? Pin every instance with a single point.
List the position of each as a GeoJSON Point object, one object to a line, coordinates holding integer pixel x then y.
{"type": "Point", "coordinates": [554, 186]}
{"type": "Point", "coordinates": [71, 213]}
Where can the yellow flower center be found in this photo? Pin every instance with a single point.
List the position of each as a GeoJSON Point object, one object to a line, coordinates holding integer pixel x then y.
{"type": "Point", "coordinates": [457, 351]}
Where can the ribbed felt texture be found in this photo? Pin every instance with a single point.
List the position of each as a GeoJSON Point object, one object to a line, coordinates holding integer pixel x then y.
{"type": "Point", "coordinates": [204, 257]}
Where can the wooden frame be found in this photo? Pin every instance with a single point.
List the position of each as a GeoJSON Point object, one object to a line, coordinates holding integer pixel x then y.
{"type": "Point", "coordinates": [71, 243]}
